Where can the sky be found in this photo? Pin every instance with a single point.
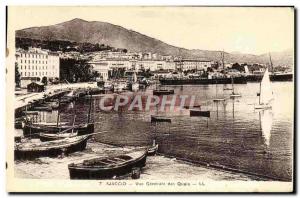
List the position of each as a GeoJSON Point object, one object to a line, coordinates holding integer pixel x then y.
{"type": "Point", "coordinates": [255, 30]}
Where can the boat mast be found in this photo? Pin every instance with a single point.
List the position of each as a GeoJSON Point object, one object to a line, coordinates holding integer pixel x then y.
{"type": "Point", "coordinates": [272, 69]}
{"type": "Point", "coordinates": [232, 85]}
{"type": "Point", "coordinates": [223, 59]}
{"type": "Point", "coordinates": [58, 115]}
{"type": "Point", "coordinates": [73, 123]}
{"type": "Point", "coordinates": [259, 92]}
{"type": "Point", "coordinates": [88, 121]}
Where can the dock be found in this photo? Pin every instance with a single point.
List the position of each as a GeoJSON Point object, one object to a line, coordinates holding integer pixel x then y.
{"type": "Point", "coordinates": [51, 92]}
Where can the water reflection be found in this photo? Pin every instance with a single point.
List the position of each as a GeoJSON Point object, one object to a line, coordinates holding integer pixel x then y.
{"type": "Point", "coordinates": [266, 120]}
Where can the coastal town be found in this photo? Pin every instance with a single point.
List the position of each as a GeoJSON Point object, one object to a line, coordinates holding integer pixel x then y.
{"type": "Point", "coordinates": [43, 66]}
{"type": "Point", "coordinates": [115, 107]}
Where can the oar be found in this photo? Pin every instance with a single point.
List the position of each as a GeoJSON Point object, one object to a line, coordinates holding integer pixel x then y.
{"type": "Point", "coordinates": [93, 134]}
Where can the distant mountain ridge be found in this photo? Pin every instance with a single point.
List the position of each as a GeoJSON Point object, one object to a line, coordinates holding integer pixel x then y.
{"type": "Point", "coordinates": [80, 31]}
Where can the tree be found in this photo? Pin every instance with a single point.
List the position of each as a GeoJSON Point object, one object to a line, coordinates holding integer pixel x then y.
{"type": "Point", "coordinates": [238, 67]}
{"type": "Point", "coordinates": [17, 75]}
{"type": "Point", "coordinates": [76, 70]}
{"type": "Point", "coordinates": [45, 80]}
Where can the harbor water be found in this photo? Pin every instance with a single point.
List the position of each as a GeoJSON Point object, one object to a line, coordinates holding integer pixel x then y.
{"type": "Point", "coordinates": [236, 136]}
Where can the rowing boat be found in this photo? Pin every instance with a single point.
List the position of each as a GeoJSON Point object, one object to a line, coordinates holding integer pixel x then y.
{"type": "Point", "coordinates": [30, 129]}
{"type": "Point", "coordinates": [108, 167]}
{"type": "Point", "coordinates": [44, 137]}
{"type": "Point", "coordinates": [30, 150]}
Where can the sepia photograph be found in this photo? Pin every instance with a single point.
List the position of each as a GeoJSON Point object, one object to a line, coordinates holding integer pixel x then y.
{"type": "Point", "coordinates": [150, 99]}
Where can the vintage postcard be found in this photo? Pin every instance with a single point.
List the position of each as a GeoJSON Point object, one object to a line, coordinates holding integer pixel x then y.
{"type": "Point", "coordinates": [150, 99]}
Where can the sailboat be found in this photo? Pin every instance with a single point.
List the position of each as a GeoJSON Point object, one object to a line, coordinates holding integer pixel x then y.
{"type": "Point", "coordinates": [135, 85]}
{"type": "Point", "coordinates": [265, 92]}
{"type": "Point", "coordinates": [218, 99]}
{"type": "Point", "coordinates": [233, 94]}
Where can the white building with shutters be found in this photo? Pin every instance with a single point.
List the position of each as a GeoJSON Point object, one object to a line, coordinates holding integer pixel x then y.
{"type": "Point", "coordinates": [37, 63]}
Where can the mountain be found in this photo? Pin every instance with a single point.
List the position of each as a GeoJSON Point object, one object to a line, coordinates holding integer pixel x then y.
{"type": "Point", "coordinates": [78, 30]}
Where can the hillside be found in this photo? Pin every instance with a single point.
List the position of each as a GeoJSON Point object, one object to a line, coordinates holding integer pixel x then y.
{"type": "Point", "coordinates": [81, 31]}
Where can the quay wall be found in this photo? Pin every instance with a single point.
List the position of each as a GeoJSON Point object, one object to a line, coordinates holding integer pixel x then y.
{"type": "Point", "coordinates": [52, 90]}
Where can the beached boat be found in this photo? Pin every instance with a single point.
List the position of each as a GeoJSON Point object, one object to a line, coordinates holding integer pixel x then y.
{"type": "Point", "coordinates": [152, 150]}
{"type": "Point", "coordinates": [108, 167]}
{"type": "Point", "coordinates": [36, 128]}
{"type": "Point", "coordinates": [160, 119]}
{"type": "Point", "coordinates": [29, 150]}
{"type": "Point", "coordinates": [44, 137]}
{"type": "Point", "coordinates": [265, 92]}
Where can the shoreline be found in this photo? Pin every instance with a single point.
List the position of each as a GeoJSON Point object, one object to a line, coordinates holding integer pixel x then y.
{"type": "Point", "coordinates": [171, 168]}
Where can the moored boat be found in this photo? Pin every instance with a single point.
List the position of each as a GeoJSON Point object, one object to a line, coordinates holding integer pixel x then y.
{"type": "Point", "coordinates": [44, 137]}
{"type": "Point", "coordinates": [160, 119]}
{"type": "Point", "coordinates": [30, 150]}
{"type": "Point", "coordinates": [31, 129]}
{"type": "Point", "coordinates": [159, 92]}
{"type": "Point", "coordinates": [108, 167]}
{"type": "Point", "coordinates": [265, 93]}
{"type": "Point", "coordinates": [198, 112]}
{"type": "Point", "coordinates": [202, 81]}
{"type": "Point", "coordinates": [152, 150]}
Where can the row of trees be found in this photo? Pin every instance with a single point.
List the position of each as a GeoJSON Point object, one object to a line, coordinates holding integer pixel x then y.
{"type": "Point", "coordinates": [64, 46]}
{"type": "Point", "coordinates": [74, 70]}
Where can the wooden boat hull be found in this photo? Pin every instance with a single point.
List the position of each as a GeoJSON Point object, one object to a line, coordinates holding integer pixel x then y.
{"type": "Point", "coordinates": [237, 80]}
{"type": "Point", "coordinates": [36, 129]}
{"type": "Point", "coordinates": [77, 172]}
{"type": "Point", "coordinates": [152, 150]}
{"type": "Point", "coordinates": [44, 137]}
{"type": "Point", "coordinates": [219, 99]}
{"type": "Point", "coordinates": [160, 119]}
{"type": "Point", "coordinates": [273, 77]}
{"type": "Point", "coordinates": [163, 92]}
{"type": "Point", "coordinates": [199, 113]}
{"type": "Point", "coordinates": [51, 151]}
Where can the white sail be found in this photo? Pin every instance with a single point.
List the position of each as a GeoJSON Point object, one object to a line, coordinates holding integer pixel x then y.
{"type": "Point", "coordinates": [266, 119]}
{"type": "Point", "coordinates": [266, 94]}
{"type": "Point", "coordinates": [134, 77]}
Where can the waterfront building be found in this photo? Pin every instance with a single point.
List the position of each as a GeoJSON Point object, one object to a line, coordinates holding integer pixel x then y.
{"type": "Point", "coordinates": [37, 63]}
{"type": "Point", "coordinates": [193, 64]}
{"type": "Point", "coordinates": [101, 67]}
{"type": "Point", "coordinates": [152, 65]}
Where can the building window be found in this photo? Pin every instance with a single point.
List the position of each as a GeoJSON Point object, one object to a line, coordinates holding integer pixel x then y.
{"type": "Point", "coordinates": [25, 61]}
{"type": "Point", "coordinates": [24, 73]}
{"type": "Point", "coordinates": [25, 67]}
{"type": "Point", "coordinates": [21, 60]}
{"type": "Point", "coordinates": [21, 66]}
